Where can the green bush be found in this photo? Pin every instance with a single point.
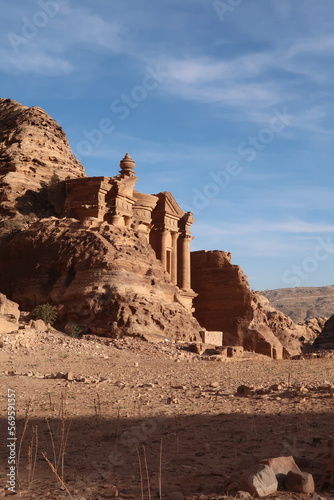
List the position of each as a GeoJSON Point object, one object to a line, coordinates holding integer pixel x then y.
{"type": "Point", "coordinates": [74, 330]}
{"type": "Point", "coordinates": [46, 312]}
{"type": "Point", "coordinates": [10, 226]}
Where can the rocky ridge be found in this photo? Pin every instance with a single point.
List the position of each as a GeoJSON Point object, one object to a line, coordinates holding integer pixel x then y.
{"type": "Point", "coordinates": [303, 303]}
{"type": "Point", "coordinates": [33, 149]}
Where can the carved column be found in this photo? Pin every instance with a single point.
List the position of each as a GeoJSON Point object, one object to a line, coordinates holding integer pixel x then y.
{"type": "Point", "coordinates": [185, 285]}
{"type": "Point", "coordinates": [116, 220]}
{"type": "Point", "coordinates": [174, 257]}
{"type": "Point", "coordinates": [163, 248]}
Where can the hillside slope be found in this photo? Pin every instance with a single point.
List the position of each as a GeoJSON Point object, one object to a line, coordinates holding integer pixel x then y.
{"type": "Point", "coordinates": [303, 303]}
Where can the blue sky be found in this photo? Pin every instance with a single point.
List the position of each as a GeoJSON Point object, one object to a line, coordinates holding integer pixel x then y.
{"type": "Point", "coordinates": [227, 104]}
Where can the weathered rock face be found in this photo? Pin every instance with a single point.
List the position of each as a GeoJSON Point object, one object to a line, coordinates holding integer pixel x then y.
{"type": "Point", "coordinates": [226, 303]}
{"type": "Point", "coordinates": [224, 298]}
{"type": "Point", "coordinates": [105, 279]}
{"type": "Point", "coordinates": [267, 319]}
{"type": "Point", "coordinates": [9, 310]}
{"type": "Point", "coordinates": [33, 148]}
{"type": "Point", "coordinates": [9, 315]}
{"type": "Point", "coordinates": [326, 338]}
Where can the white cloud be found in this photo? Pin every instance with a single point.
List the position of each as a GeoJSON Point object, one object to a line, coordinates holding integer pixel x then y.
{"type": "Point", "coordinates": [258, 226]}
{"type": "Point", "coordinates": [80, 26]}
{"type": "Point", "coordinates": [313, 46]}
{"type": "Point", "coordinates": [46, 50]}
{"type": "Point", "coordinates": [34, 61]}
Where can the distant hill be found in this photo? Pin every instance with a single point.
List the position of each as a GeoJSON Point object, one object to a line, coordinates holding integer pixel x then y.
{"type": "Point", "coordinates": [303, 303]}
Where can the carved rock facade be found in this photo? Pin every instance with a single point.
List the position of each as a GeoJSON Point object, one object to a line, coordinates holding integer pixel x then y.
{"type": "Point", "coordinates": [157, 217]}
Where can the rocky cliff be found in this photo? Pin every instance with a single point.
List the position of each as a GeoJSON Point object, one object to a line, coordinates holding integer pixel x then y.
{"type": "Point", "coordinates": [105, 280]}
{"type": "Point", "coordinates": [225, 302]}
{"type": "Point", "coordinates": [326, 338]}
{"type": "Point", "coordinates": [33, 149]}
{"type": "Point", "coordinates": [224, 298]}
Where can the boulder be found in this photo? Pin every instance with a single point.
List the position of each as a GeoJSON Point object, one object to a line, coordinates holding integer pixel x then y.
{"type": "Point", "coordinates": [38, 324]}
{"type": "Point", "coordinates": [7, 326]}
{"type": "Point", "coordinates": [9, 310]}
{"type": "Point", "coordinates": [259, 481]}
{"type": "Point", "coordinates": [299, 482]}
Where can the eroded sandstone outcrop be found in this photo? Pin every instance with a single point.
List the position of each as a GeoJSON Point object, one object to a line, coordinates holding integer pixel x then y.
{"type": "Point", "coordinates": [9, 315]}
{"type": "Point", "coordinates": [33, 149]}
{"type": "Point", "coordinates": [326, 338]}
{"type": "Point", "coordinates": [225, 302]}
{"type": "Point", "coordinates": [224, 298]}
{"type": "Point", "coordinates": [105, 279]}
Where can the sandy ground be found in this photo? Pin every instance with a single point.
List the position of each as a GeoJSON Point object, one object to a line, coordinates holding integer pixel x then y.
{"type": "Point", "coordinates": [135, 415]}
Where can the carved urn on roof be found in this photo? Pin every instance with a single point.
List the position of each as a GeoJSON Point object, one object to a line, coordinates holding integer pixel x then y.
{"type": "Point", "coordinates": [127, 165]}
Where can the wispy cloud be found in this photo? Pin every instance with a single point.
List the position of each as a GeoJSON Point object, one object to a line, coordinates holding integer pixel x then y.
{"type": "Point", "coordinates": [55, 48]}
{"type": "Point", "coordinates": [35, 61]}
{"type": "Point", "coordinates": [258, 226]}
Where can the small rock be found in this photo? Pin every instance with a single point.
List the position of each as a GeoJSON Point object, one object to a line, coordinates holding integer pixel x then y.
{"type": "Point", "coordinates": [232, 487]}
{"type": "Point", "coordinates": [276, 387]}
{"type": "Point", "coordinates": [244, 390]}
{"type": "Point", "coordinates": [70, 376]}
{"type": "Point", "coordinates": [175, 495]}
{"type": "Point", "coordinates": [299, 482]}
{"type": "Point", "coordinates": [171, 401]}
{"type": "Point", "coordinates": [259, 480]}
{"type": "Point", "coordinates": [244, 495]}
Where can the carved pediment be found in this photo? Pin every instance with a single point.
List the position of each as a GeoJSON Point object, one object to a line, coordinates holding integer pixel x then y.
{"type": "Point", "coordinates": [169, 205]}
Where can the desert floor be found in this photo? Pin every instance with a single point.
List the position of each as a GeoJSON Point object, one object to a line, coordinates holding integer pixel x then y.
{"type": "Point", "coordinates": [133, 413]}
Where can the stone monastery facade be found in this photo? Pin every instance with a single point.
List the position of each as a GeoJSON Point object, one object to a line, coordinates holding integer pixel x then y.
{"type": "Point", "coordinates": [159, 217]}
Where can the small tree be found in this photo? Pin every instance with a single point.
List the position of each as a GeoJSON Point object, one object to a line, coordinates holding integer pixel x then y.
{"type": "Point", "coordinates": [46, 312]}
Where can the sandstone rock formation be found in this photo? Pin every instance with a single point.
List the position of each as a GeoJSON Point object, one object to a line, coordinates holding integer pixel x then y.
{"type": "Point", "coordinates": [326, 338]}
{"type": "Point", "coordinates": [266, 317]}
{"type": "Point", "coordinates": [9, 315]}
{"type": "Point", "coordinates": [105, 279]}
{"type": "Point", "coordinates": [224, 298]}
{"type": "Point", "coordinates": [33, 149]}
{"type": "Point", "coordinates": [225, 302]}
